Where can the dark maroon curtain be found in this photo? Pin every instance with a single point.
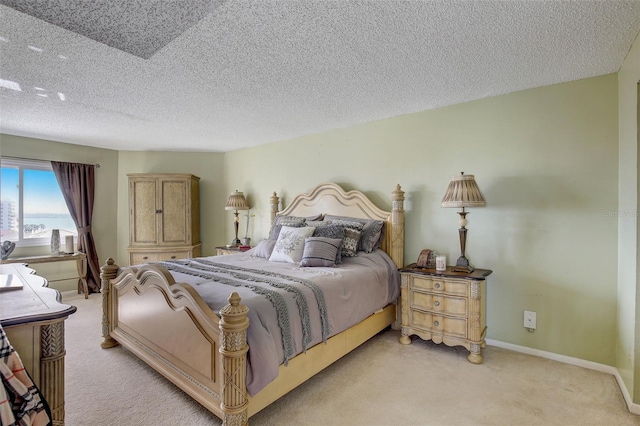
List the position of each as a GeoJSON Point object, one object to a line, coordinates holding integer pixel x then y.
{"type": "Point", "coordinates": [77, 182]}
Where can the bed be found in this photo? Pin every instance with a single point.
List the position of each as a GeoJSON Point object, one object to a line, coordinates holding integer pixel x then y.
{"type": "Point", "coordinates": [203, 345]}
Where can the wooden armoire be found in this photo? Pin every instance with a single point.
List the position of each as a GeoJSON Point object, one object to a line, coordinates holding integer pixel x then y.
{"type": "Point", "coordinates": [164, 217]}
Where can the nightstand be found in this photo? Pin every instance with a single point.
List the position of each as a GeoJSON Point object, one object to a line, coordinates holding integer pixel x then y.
{"type": "Point", "coordinates": [220, 250]}
{"type": "Point", "coordinates": [445, 307]}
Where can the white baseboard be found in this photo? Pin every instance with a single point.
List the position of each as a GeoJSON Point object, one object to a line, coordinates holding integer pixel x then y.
{"type": "Point", "coordinates": [633, 408]}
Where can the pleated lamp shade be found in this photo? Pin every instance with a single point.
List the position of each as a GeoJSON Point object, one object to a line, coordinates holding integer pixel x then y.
{"type": "Point", "coordinates": [236, 201]}
{"type": "Point", "coordinates": [463, 191]}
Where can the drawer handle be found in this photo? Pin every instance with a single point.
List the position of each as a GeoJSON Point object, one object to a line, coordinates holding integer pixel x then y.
{"type": "Point", "coordinates": [145, 258]}
{"type": "Point", "coordinates": [436, 323]}
{"type": "Point", "coordinates": [437, 285]}
{"type": "Point", "coordinates": [437, 303]}
{"type": "Point", "coordinates": [173, 257]}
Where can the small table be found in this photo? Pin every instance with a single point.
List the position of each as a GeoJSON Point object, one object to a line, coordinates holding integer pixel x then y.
{"type": "Point", "coordinates": [79, 257]}
{"type": "Point", "coordinates": [221, 250]}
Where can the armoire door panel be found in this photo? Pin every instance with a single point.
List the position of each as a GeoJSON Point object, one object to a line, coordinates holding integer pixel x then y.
{"type": "Point", "coordinates": [143, 212]}
{"type": "Point", "coordinates": [174, 212]}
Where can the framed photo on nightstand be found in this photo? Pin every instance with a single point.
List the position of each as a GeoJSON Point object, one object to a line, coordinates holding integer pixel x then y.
{"type": "Point", "coordinates": [426, 259]}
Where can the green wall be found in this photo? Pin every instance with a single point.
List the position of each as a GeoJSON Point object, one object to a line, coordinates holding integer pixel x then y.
{"type": "Point", "coordinates": [546, 161]}
{"type": "Point", "coordinates": [628, 317]}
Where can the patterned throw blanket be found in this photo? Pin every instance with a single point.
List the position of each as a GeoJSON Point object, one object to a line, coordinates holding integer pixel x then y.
{"type": "Point", "coordinates": [291, 308]}
{"type": "Point", "coordinates": [21, 403]}
{"type": "Point", "coordinates": [270, 285]}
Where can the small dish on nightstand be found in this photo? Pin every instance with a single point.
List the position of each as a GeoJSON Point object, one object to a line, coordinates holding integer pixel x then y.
{"type": "Point", "coordinates": [229, 245]}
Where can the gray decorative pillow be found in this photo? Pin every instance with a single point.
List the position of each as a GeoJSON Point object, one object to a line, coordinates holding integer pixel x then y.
{"type": "Point", "coordinates": [292, 221]}
{"type": "Point", "coordinates": [317, 223]}
{"type": "Point", "coordinates": [372, 231]}
{"type": "Point", "coordinates": [353, 224]}
{"type": "Point", "coordinates": [350, 242]}
{"type": "Point", "coordinates": [264, 248]}
{"type": "Point", "coordinates": [372, 234]}
{"type": "Point", "coordinates": [331, 231]}
{"type": "Point", "coordinates": [352, 232]}
{"type": "Point", "coordinates": [320, 251]}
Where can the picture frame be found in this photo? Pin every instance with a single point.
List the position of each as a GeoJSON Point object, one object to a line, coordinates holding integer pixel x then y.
{"type": "Point", "coordinates": [426, 259]}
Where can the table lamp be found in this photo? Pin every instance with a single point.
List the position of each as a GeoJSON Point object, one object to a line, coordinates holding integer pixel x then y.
{"type": "Point", "coordinates": [463, 192]}
{"type": "Point", "coordinates": [236, 202]}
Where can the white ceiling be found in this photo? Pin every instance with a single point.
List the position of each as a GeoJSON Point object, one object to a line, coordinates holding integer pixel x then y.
{"type": "Point", "coordinates": [222, 75]}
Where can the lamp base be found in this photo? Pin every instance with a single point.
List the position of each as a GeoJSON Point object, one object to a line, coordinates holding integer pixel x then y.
{"type": "Point", "coordinates": [235, 242]}
{"type": "Point", "coordinates": [462, 265]}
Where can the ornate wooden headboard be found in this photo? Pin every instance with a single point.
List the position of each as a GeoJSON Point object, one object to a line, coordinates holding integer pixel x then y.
{"type": "Point", "coordinates": [330, 198]}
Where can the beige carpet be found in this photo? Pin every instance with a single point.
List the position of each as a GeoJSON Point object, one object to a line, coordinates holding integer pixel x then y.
{"type": "Point", "coordinates": [380, 383]}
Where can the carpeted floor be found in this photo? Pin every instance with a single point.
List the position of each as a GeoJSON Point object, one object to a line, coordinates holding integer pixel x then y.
{"type": "Point", "coordinates": [380, 383]}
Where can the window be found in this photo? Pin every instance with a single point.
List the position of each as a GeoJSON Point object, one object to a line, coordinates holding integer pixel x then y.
{"type": "Point", "coordinates": [32, 203]}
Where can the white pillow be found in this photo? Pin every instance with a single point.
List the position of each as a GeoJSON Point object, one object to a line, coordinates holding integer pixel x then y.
{"type": "Point", "coordinates": [290, 244]}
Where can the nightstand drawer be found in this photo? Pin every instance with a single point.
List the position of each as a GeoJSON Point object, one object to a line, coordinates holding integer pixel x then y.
{"type": "Point", "coordinates": [437, 323]}
{"type": "Point", "coordinates": [437, 303]}
{"type": "Point", "coordinates": [440, 285]}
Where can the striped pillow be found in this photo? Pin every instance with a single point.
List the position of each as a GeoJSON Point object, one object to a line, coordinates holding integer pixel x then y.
{"type": "Point", "coordinates": [320, 251]}
{"type": "Point", "coordinates": [331, 231]}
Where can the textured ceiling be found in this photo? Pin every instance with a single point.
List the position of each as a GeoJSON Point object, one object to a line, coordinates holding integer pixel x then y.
{"type": "Point", "coordinates": [137, 27]}
{"type": "Point", "coordinates": [222, 75]}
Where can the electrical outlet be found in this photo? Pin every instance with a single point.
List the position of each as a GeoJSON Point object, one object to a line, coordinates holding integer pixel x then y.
{"type": "Point", "coordinates": [530, 320]}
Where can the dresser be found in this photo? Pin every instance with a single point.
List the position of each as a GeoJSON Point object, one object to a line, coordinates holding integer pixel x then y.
{"type": "Point", "coordinates": [445, 307]}
{"type": "Point", "coordinates": [33, 318]}
{"type": "Point", "coordinates": [164, 217]}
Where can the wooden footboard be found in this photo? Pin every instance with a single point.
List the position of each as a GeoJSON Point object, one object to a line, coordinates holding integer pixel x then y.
{"type": "Point", "coordinates": [169, 326]}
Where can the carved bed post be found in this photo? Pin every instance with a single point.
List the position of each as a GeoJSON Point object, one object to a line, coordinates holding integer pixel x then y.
{"type": "Point", "coordinates": [233, 348]}
{"type": "Point", "coordinates": [108, 271]}
{"type": "Point", "coordinates": [274, 202]}
{"type": "Point", "coordinates": [397, 227]}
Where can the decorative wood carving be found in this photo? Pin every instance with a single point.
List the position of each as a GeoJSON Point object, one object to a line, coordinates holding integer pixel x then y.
{"type": "Point", "coordinates": [108, 272]}
{"type": "Point", "coordinates": [233, 325]}
{"type": "Point", "coordinates": [52, 368]}
{"type": "Point", "coordinates": [397, 227]}
{"type": "Point", "coordinates": [274, 203]}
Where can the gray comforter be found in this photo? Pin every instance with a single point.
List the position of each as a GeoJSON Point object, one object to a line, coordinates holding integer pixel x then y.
{"type": "Point", "coordinates": [291, 308]}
